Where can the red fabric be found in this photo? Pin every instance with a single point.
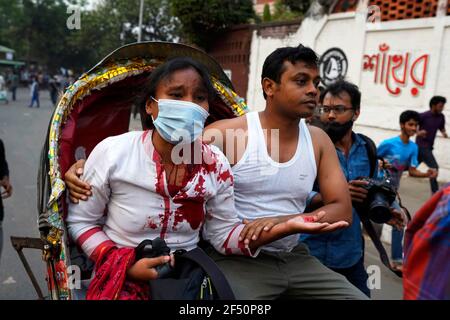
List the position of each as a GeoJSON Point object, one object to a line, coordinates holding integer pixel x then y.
{"type": "Point", "coordinates": [110, 283]}
{"type": "Point", "coordinates": [426, 274]}
{"type": "Point", "coordinates": [412, 274]}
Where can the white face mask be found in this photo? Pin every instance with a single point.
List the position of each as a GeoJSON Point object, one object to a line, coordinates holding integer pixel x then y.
{"type": "Point", "coordinates": [179, 121]}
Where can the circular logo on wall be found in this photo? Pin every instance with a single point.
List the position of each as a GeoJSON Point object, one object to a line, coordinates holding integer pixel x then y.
{"type": "Point", "coordinates": [332, 66]}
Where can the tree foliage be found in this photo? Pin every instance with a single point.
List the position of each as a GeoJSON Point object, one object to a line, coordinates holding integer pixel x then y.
{"type": "Point", "coordinates": [267, 16]}
{"type": "Point", "coordinates": [203, 20]}
{"type": "Point", "coordinates": [299, 6]}
{"type": "Point", "coordinates": [37, 29]}
{"type": "Point", "coordinates": [285, 10]}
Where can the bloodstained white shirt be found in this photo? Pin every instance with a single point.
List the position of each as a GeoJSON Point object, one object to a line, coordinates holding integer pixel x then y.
{"type": "Point", "coordinates": [131, 202]}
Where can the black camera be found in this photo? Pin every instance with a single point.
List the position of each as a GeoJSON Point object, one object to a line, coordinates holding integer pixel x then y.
{"type": "Point", "coordinates": [152, 249]}
{"type": "Point", "coordinates": [381, 194]}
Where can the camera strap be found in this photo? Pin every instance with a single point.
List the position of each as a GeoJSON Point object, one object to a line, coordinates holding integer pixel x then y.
{"type": "Point", "coordinates": [378, 245]}
{"type": "Point", "coordinates": [408, 215]}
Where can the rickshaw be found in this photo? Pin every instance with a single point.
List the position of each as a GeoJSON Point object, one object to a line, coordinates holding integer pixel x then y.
{"type": "Point", "coordinates": [96, 106]}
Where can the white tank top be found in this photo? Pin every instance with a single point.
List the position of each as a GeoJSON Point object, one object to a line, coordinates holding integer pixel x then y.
{"type": "Point", "coordinates": [264, 187]}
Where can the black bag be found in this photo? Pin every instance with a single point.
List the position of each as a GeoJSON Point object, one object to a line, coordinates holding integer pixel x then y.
{"type": "Point", "coordinates": [194, 277]}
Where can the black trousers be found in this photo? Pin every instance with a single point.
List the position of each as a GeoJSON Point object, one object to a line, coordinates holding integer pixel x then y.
{"type": "Point", "coordinates": [426, 155]}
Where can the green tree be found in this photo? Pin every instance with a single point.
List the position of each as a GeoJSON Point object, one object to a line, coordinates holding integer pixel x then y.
{"type": "Point", "coordinates": [37, 29]}
{"type": "Point", "coordinates": [288, 9]}
{"type": "Point", "coordinates": [203, 20]}
{"type": "Point", "coordinates": [114, 23]}
{"type": "Point", "coordinates": [267, 16]}
{"type": "Point", "coordinates": [10, 14]}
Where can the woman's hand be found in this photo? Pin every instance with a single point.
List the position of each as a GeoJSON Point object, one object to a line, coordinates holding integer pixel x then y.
{"type": "Point", "coordinates": [78, 189]}
{"type": "Point", "coordinates": [144, 269]}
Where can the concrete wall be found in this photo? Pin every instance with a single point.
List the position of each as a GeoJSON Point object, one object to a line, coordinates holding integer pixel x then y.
{"type": "Point", "coordinates": [382, 102]}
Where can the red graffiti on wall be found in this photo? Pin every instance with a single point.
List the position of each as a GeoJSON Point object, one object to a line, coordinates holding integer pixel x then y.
{"type": "Point", "coordinates": [395, 70]}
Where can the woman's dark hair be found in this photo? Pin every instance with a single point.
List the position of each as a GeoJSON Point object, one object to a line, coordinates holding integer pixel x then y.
{"type": "Point", "coordinates": [437, 99]}
{"type": "Point", "coordinates": [273, 66]}
{"type": "Point", "coordinates": [163, 72]}
{"type": "Point", "coordinates": [336, 88]}
{"type": "Point", "coordinates": [407, 115]}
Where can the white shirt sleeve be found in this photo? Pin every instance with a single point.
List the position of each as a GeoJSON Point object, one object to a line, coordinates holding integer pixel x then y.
{"type": "Point", "coordinates": [83, 220]}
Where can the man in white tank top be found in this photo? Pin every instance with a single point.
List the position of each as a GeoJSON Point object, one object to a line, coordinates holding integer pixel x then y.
{"type": "Point", "coordinates": [275, 186]}
{"type": "Point", "coordinates": [268, 186]}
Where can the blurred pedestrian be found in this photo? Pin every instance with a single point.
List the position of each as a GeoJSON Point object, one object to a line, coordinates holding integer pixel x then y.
{"type": "Point", "coordinates": [3, 92]}
{"type": "Point", "coordinates": [430, 122]}
{"type": "Point", "coordinates": [5, 188]}
{"type": "Point", "coordinates": [401, 154]}
{"type": "Point", "coordinates": [2, 82]}
{"type": "Point", "coordinates": [34, 92]}
{"type": "Point", "coordinates": [13, 81]}
{"type": "Point", "coordinates": [54, 89]}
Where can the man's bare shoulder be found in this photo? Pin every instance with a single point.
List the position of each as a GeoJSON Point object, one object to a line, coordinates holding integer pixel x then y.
{"type": "Point", "coordinates": [317, 134]}
{"type": "Point", "coordinates": [234, 123]}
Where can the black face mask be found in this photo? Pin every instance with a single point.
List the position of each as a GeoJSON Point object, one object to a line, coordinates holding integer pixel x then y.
{"type": "Point", "coordinates": [337, 131]}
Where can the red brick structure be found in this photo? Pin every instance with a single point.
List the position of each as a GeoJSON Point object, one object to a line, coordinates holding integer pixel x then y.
{"type": "Point", "coordinates": [232, 51]}
{"type": "Point", "coordinates": [278, 29]}
{"type": "Point", "coordinates": [406, 9]}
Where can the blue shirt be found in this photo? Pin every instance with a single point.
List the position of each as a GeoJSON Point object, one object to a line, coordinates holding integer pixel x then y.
{"type": "Point", "coordinates": [343, 248]}
{"type": "Point", "coordinates": [400, 155]}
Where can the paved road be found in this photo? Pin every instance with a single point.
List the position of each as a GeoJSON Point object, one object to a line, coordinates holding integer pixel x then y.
{"type": "Point", "coordinates": [23, 131]}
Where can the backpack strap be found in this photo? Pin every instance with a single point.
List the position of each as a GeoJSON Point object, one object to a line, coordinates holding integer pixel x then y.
{"type": "Point", "coordinates": [218, 279]}
{"type": "Point", "coordinates": [372, 155]}
{"type": "Point", "coordinates": [371, 152]}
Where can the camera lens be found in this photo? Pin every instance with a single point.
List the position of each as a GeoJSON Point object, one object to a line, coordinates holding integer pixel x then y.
{"type": "Point", "coordinates": [379, 211]}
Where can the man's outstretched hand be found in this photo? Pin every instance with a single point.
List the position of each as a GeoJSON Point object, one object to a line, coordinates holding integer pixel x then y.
{"type": "Point", "coordinates": [300, 225]}
{"type": "Point", "coordinates": [295, 223]}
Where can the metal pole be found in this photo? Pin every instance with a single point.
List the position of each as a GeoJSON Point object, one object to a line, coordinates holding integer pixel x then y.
{"type": "Point", "coordinates": [33, 243]}
{"type": "Point", "coordinates": [141, 13]}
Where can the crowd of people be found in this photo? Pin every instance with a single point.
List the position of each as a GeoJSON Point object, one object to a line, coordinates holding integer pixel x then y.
{"type": "Point", "coordinates": [12, 80]}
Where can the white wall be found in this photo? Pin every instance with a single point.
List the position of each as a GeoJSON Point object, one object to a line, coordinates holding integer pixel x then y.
{"type": "Point", "coordinates": [380, 109]}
